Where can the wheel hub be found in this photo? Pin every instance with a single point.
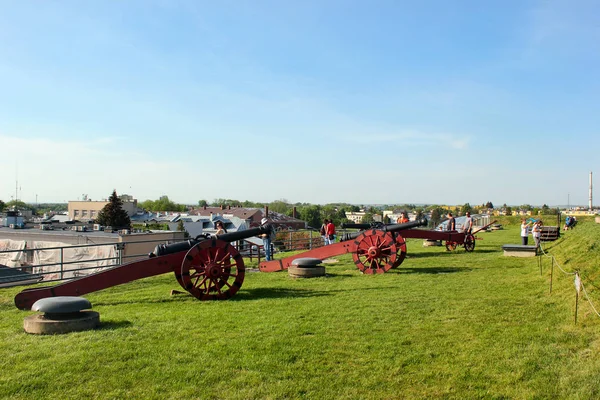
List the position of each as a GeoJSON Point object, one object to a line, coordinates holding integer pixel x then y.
{"type": "Point", "coordinates": [213, 270]}
{"type": "Point", "coordinates": [374, 252]}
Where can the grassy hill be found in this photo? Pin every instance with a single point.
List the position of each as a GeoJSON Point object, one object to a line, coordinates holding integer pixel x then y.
{"type": "Point", "coordinates": [443, 325]}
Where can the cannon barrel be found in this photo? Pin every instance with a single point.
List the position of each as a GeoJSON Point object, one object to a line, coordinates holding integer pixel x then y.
{"type": "Point", "coordinates": [362, 227]}
{"type": "Point", "coordinates": [385, 228]}
{"type": "Point", "coordinates": [164, 249]}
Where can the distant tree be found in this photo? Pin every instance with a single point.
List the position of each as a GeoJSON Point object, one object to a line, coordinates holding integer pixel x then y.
{"type": "Point", "coordinates": [508, 210]}
{"type": "Point", "coordinates": [367, 218]}
{"type": "Point", "coordinates": [162, 204]}
{"type": "Point", "coordinates": [489, 205]}
{"type": "Point", "coordinates": [202, 203]}
{"type": "Point", "coordinates": [311, 214]}
{"type": "Point", "coordinates": [545, 209]}
{"type": "Point", "coordinates": [340, 217]}
{"type": "Point", "coordinates": [280, 206]}
{"type": "Point", "coordinates": [181, 228]}
{"type": "Point", "coordinates": [330, 212]}
{"type": "Point", "coordinates": [2, 204]}
{"type": "Point", "coordinates": [436, 215]}
{"type": "Point", "coordinates": [420, 213]}
{"type": "Point", "coordinates": [251, 204]}
{"type": "Point", "coordinates": [525, 207]}
{"type": "Point", "coordinates": [113, 214]}
{"type": "Point", "coordinates": [226, 202]}
{"type": "Point", "coordinates": [466, 208]}
{"type": "Point", "coordinates": [17, 204]}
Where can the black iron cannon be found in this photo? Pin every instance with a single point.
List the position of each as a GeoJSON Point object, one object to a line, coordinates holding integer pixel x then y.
{"type": "Point", "coordinates": [208, 267]}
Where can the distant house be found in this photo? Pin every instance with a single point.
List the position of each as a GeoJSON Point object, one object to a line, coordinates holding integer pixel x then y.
{"type": "Point", "coordinates": [285, 222]}
{"type": "Point", "coordinates": [252, 216]}
{"type": "Point", "coordinates": [357, 217]}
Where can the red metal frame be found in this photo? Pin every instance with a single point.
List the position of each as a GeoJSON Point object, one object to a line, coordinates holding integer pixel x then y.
{"type": "Point", "coordinates": [209, 270]}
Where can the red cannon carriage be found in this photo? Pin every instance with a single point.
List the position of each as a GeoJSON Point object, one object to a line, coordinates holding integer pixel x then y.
{"type": "Point", "coordinates": [208, 267]}
{"type": "Point", "coordinates": [374, 250]}
{"type": "Point", "coordinates": [452, 239]}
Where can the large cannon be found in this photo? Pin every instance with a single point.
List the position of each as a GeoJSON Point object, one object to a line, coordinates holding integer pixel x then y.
{"type": "Point", "coordinates": [452, 238]}
{"type": "Point", "coordinates": [374, 250]}
{"type": "Point", "coordinates": [208, 267]}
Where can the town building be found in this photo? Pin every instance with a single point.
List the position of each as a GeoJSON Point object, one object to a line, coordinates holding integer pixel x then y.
{"type": "Point", "coordinates": [87, 209]}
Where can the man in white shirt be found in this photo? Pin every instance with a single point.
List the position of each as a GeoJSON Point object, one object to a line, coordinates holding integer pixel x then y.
{"type": "Point", "coordinates": [468, 225]}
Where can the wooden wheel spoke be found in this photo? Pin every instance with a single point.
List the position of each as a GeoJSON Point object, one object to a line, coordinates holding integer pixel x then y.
{"type": "Point", "coordinates": [227, 283]}
{"type": "Point", "coordinates": [197, 277]}
{"type": "Point", "coordinates": [217, 287]}
{"type": "Point", "coordinates": [203, 283]}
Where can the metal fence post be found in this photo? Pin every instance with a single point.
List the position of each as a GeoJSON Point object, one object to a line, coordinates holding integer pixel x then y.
{"type": "Point", "coordinates": [61, 263]}
{"type": "Point", "coordinates": [120, 249]}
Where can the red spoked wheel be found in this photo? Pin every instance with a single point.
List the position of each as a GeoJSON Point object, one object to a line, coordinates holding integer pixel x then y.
{"type": "Point", "coordinates": [401, 254]}
{"type": "Point", "coordinates": [212, 270]}
{"type": "Point", "coordinates": [451, 246]}
{"type": "Point", "coordinates": [376, 252]}
{"type": "Point", "coordinates": [469, 242]}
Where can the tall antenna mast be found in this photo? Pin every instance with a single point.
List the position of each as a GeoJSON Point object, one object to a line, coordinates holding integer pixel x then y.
{"type": "Point", "coordinates": [590, 204]}
{"type": "Point", "coordinates": [16, 181]}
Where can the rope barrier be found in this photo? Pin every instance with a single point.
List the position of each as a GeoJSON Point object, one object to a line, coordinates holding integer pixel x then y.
{"type": "Point", "coordinates": [554, 260]}
{"type": "Point", "coordinates": [587, 297]}
{"type": "Point", "coordinates": [578, 280]}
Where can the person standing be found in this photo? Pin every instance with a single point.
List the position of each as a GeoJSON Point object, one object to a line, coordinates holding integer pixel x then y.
{"type": "Point", "coordinates": [468, 225]}
{"type": "Point", "coordinates": [330, 232]}
{"type": "Point", "coordinates": [323, 232]}
{"type": "Point", "coordinates": [267, 238]}
{"type": "Point", "coordinates": [220, 228]}
{"type": "Point", "coordinates": [451, 223]}
{"type": "Point", "coordinates": [402, 219]}
{"type": "Point", "coordinates": [524, 232]}
{"type": "Point", "coordinates": [536, 232]}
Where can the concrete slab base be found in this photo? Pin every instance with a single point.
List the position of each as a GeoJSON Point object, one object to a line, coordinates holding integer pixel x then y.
{"type": "Point", "coordinates": [75, 322]}
{"type": "Point", "coordinates": [306, 272]}
{"type": "Point", "coordinates": [518, 250]}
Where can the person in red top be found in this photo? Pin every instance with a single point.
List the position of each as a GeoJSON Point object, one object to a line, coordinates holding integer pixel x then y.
{"type": "Point", "coordinates": [330, 233]}
{"type": "Point", "coordinates": [403, 219]}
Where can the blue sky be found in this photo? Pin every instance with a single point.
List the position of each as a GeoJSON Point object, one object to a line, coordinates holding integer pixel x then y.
{"type": "Point", "coordinates": [308, 101]}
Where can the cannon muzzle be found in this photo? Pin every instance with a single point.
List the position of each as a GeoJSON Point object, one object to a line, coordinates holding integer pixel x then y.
{"type": "Point", "coordinates": [164, 249]}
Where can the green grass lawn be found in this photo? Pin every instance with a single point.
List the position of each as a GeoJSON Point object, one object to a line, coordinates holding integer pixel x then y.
{"type": "Point", "coordinates": [443, 325]}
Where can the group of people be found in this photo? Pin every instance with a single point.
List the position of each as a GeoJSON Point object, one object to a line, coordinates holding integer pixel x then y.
{"type": "Point", "coordinates": [467, 226]}
{"type": "Point", "coordinates": [569, 222]}
{"type": "Point", "coordinates": [327, 232]}
{"type": "Point", "coordinates": [536, 231]}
